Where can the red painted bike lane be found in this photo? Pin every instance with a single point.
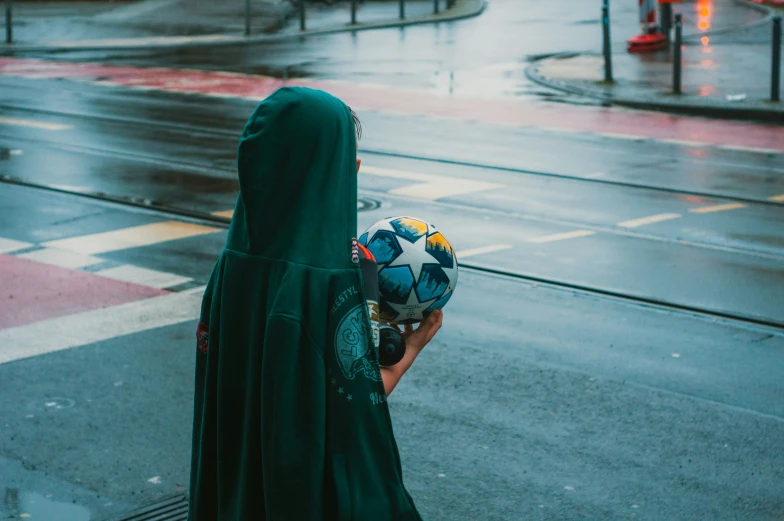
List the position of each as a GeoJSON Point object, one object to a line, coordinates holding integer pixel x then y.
{"type": "Point", "coordinates": [513, 112]}
{"type": "Point", "coordinates": [31, 291]}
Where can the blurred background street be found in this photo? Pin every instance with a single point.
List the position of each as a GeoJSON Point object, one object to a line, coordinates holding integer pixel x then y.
{"type": "Point", "coordinates": [614, 348]}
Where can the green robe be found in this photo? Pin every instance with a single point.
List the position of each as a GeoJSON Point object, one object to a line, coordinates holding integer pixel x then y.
{"type": "Point", "coordinates": [291, 421]}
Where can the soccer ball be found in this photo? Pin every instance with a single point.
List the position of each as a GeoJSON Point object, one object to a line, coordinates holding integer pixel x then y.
{"type": "Point", "coordinates": [417, 268]}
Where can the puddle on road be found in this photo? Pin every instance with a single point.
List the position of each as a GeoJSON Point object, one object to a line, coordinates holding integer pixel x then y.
{"type": "Point", "coordinates": [34, 506]}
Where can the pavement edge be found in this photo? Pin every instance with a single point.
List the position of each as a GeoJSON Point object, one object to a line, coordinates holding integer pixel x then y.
{"type": "Point", "coordinates": [463, 10]}
{"type": "Point", "coordinates": [716, 110]}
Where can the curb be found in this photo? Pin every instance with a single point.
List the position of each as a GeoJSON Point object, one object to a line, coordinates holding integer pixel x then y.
{"type": "Point", "coordinates": [463, 10]}
{"type": "Point", "coordinates": [714, 111]}
{"type": "Point", "coordinates": [706, 110]}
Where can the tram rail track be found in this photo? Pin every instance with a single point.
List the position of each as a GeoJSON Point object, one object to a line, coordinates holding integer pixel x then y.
{"type": "Point", "coordinates": [196, 130]}
{"type": "Point", "coordinates": [223, 222]}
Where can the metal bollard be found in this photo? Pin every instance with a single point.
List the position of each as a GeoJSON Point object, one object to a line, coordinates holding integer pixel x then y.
{"type": "Point", "coordinates": [402, 9]}
{"type": "Point", "coordinates": [606, 46]}
{"type": "Point", "coordinates": [775, 76]}
{"type": "Point", "coordinates": [9, 27]}
{"type": "Point", "coordinates": [665, 16]}
{"type": "Point", "coordinates": [301, 15]}
{"type": "Point", "coordinates": [435, 7]}
{"type": "Point", "coordinates": [247, 17]}
{"type": "Point", "coordinates": [676, 55]}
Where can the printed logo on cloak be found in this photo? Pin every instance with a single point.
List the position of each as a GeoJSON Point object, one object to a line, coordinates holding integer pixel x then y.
{"type": "Point", "coordinates": [353, 348]}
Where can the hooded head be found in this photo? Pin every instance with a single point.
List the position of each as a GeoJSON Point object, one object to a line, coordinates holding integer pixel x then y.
{"type": "Point", "coordinates": [298, 180]}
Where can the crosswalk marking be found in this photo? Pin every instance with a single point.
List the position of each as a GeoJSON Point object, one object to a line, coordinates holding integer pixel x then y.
{"type": "Point", "coordinates": [61, 258]}
{"type": "Point", "coordinates": [482, 250]}
{"type": "Point", "coordinates": [80, 329]}
{"type": "Point", "coordinates": [430, 186]}
{"type": "Point", "coordinates": [718, 208]}
{"type": "Point", "coordinates": [777, 198]}
{"type": "Point", "coordinates": [134, 237]}
{"type": "Point", "coordinates": [9, 245]}
{"type": "Point", "coordinates": [634, 223]}
{"type": "Point", "coordinates": [143, 276]}
{"type": "Point", "coordinates": [34, 124]}
{"type": "Point", "coordinates": [563, 236]}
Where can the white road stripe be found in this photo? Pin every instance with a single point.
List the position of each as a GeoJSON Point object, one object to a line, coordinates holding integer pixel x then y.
{"type": "Point", "coordinates": [563, 236]}
{"type": "Point", "coordinates": [61, 333]}
{"type": "Point", "coordinates": [777, 198]}
{"type": "Point", "coordinates": [34, 124]}
{"type": "Point", "coordinates": [397, 174]}
{"type": "Point", "coordinates": [143, 276]}
{"type": "Point", "coordinates": [684, 142]}
{"type": "Point", "coordinates": [751, 149]}
{"type": "Point", "coordinates": [718, 208]}
{"type": "Point", "coordinates": [9, 245]}
{"type": "Point", "coordinates": [430, 187]}
{"type": "Point", "coordinates": [446, 188]}
{"type": "Point", "coordinates": [228, 214]}
{"type": "Point", "coordinates": [482, 250]}
{"type": "Point", "coordinates": [634, 223]}
{"type": "Point", "coordinates": [61, 258]}
{"type": "Point", "coordinates": [134, 237]}
{"type": "Point", "coordinates": [616, 135]}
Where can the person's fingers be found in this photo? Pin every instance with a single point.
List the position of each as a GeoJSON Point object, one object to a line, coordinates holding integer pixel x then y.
{"type": "Point", "coordinates": [433, 325]}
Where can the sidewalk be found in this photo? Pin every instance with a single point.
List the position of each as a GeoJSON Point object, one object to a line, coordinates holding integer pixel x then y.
{"type": "Point", "coordinates": [106, 25]}
{"type": "Point", "coordinates": [726, 67]}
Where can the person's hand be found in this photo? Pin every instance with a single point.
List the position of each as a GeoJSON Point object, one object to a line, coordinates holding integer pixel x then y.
{"type": "Point", "coordinates": [418, 338]}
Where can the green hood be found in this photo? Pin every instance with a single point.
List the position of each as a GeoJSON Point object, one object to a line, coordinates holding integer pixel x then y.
{"type": "Point", "coordinates": [290, 418]}
{"type": "Point", "coordinates": [298, 180]}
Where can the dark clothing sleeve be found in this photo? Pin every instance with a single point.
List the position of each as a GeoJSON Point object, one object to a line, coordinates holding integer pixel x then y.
{"type": "Point", "coordinates": [293, 423]}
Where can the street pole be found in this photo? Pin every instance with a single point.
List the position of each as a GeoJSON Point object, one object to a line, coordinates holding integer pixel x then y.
{"type": "Point", "coordinates": [606, 47]}
{"type": "Point", "coordinates": [775, 77]}
{"type": "Point", "coordinates": [665, 13]}
{"type": "Point", "coordinates": [301, 15]}
{"type": "Point", "coordinates": [353, 12]}
{"type": "Point", "coordinates": [676, 55]}
{"type": "Point", "coordinates": [247, 17]}
{"type": "Point", "coordinates": [402, 9]}
{"type": "Point", "coordinates": [9, 30]}
{"type": "Point", "coordinates": [435, 7]}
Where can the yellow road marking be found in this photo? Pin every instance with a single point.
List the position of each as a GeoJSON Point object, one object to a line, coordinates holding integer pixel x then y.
{"type": "Point", "coordinates": [483, 249]}
{"type": "Point", "coordinates": [634, 223]}
{"type": "Point", "coordinates": [430, 187]}
{"type": "Point", "coordinates": [563, 236]}
{"type": "Point", "coordinates": [226, 213]}
{"type": "Point", "coordinates": [777, 198]}
{"type": "Point", "coordinates": [34, 124]}
{"type": "Point", "coordinates": [718, 208]}
{"type": "Point", "coordinates": [134, 237]}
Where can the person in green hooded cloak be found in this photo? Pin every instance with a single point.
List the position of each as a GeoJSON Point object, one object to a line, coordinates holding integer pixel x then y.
{"type": "Point", "coordinates": [291, 420]}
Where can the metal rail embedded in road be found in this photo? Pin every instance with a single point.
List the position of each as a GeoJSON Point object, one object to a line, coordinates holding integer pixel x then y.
{"type": "Point", "coordinates": [209, 132]}
{"type": "Point", "coordinates": [209, 219]}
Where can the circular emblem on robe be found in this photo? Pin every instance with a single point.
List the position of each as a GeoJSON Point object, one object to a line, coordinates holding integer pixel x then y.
{"type": "Point", "coordinates": [352, 347]}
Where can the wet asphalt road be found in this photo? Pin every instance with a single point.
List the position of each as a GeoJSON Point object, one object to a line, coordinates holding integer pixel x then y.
{"type": "Point", "coordinates": [536, 401]}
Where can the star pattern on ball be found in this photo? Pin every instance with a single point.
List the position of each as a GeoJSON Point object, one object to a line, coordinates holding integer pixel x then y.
{"type": "Point", "coordinates": [417, 257]}
{"type": "Point", "coordinates": [413, 300]}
